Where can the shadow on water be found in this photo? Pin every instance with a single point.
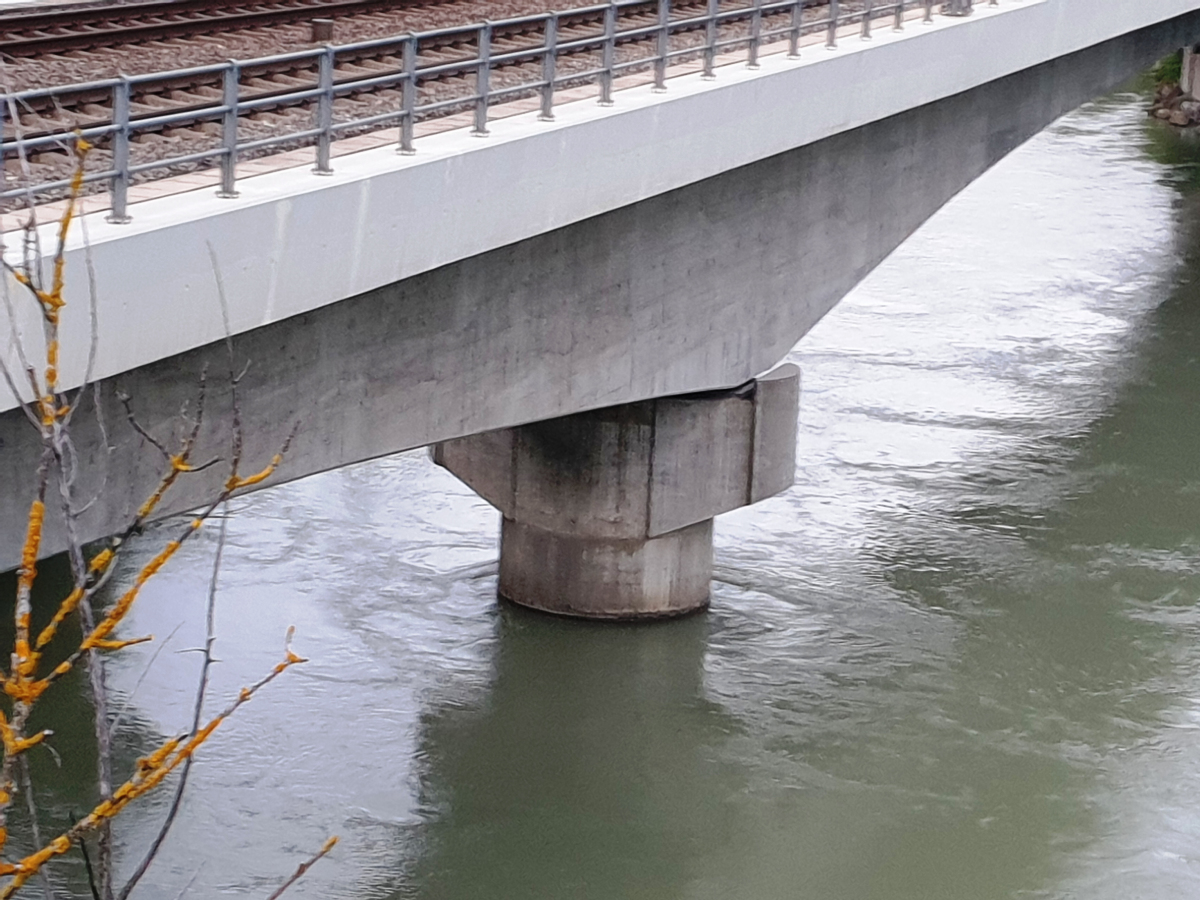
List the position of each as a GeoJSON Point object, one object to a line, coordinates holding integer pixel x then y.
{"type": "Point", "coordinates": [590, 769]}
{"type": "Point", "coordinates": [598, 767]}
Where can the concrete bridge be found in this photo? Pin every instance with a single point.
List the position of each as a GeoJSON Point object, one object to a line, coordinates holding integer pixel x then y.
{"type": "Point", "coordinates": [557, 280]}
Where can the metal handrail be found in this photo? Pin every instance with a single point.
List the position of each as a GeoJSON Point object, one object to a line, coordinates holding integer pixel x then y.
{"type": "Point", "coordinates": [476, 70]}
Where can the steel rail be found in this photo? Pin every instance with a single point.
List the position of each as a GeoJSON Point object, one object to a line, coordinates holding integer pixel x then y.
{"type": "Point", "coordinates": [53, 31]}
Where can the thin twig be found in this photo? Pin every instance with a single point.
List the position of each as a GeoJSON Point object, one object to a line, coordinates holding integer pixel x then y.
{"type": "Point", "coordinates": [26, 172]}
{"type": "Point", "coordinates": [197, 714]}
{"type": "Point", "coordinates": [93, 303]}
{"type": "Point", "coordinates": [119, 718]}
{"type": "Point", "coordinates": [187, 887]}
{"type": "Point", "coordinates": [87, 866]}
{"type": "Point", "coordinates": [125, 401]}
{"type": "Point", "coordinates": [303, 867]}
{"type": "Point", "coordinates": [108, 449]}
{"type": "Point", "coordinates": [19, 346]}
{"type": "Point", "coordinates": [35, 827]}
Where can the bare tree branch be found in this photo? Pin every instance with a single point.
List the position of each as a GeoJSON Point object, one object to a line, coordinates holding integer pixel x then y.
{"type": "Point", "coordinates": [303, 867]}
{"type": "Point", "coordinates": [35, 827]}
{"type": "Point", "coordinates": [197, 715]}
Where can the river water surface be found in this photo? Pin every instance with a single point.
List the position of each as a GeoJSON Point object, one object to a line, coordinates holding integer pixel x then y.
{"type": "Point", "coordinates": [959, 659]}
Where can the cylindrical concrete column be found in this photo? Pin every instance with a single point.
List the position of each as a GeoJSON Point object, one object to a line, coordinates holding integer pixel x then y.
{"type": "Point", "coordinates": [608, 514]}
{"type": "Point", "coordinates": [606, 578]}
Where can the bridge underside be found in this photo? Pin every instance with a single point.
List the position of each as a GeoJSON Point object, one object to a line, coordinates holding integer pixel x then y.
{"type": "Point", "coordinates": [700, 288]}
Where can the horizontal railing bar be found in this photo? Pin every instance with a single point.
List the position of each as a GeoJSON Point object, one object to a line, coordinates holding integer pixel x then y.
{"type": "Point", "coordinates": [527, 88]}
{"type": "Point", "coordinates": [279, 139]}
{"type": "Point", "coordinates": [675, 24]}
{"type": "Point", "coordinates": [63, 137]}
{"type": "Point", "coordinates": [294, 56]}
{"type": "Point", "coordinates": [395, 115]}
{"type": "Point", "coordinates": [444, 104]}
{"type": "Point", "coordinates": [89, 178]}
{"type": "Point", "coordinates": [191, 115]}
{"type": "Point", "coordinates": [151, 77]}
{"type": "Point", "coordinates": [44, 93]}
{"type": "Point", "coordinates": [349, 87]}
{"type": "Point", "coordinates": [275, 99]}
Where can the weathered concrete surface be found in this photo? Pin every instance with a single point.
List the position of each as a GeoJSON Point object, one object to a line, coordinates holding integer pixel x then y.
{"type": "Point", "coordinates": [641, 469]}
{"type": "Point", "coordinates": [598, 578]}
{"type": "Point", "coordinates": [1189, 71]}
{"type": "Point", "coordinates": [698, 288]}
{"type": "Point", "coordinates": [608, 513]}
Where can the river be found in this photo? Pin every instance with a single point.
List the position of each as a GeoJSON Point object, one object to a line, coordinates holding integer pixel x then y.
{"type": "Point", "coordinates": [958, 659]}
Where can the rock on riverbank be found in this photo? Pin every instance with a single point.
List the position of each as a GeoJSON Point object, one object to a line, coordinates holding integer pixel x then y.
{"type": "Point", "coordinates": [1172, 105]}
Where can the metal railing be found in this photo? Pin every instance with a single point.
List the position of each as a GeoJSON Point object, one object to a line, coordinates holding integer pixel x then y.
{"type": "Point", "coordinates": [536, 55]}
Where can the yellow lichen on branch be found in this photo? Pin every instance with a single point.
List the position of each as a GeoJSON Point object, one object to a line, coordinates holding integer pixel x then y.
{"type": "Point", "coordinates": [122, 606]}
{"type": "Point", "coordinates": [33, 541]}
{"type": "Point", "coordinates": [21, 688]}
{"type": "Point", "coordinates": [52, 300]}
{"type": "Point", "coordinates": [69, 605]}
{"type": "Point", "coordinates": [121, 645]}
{"type": "Point", "coordinates": [49, 411]}
{"type": "Point", "coordinates": [178, 465]}
{"type": "Point", "coordinates": [151, 771]}
{"type": "Point", "coordinates": [234, 483]}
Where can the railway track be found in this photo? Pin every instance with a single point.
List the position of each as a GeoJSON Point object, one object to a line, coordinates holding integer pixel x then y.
{"type": "Point", "coordinates": [82, 108]}
{"type": "Point", "coordinates": [282, 93]}
{"type": "Point", "coordinates": [26, 34]}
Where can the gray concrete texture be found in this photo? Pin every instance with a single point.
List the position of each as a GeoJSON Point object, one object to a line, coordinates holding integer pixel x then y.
{"type": "Point", "coordinates": [699, 288]}
{"type": "Point", "coordinates": [594, 578]}
{"type": "Point", "coordinates": [638, 470]}
{"type": "Point", "coordinates": [608, 513]}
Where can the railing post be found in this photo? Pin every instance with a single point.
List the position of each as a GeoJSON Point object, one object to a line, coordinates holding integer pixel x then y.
{"type": "Point", "coordinates": [831, 37]}
{"type": "Point", "coordinates": [408, 94]}
{"type": "Point", "coordinates": [898, 24]}
{"type": "Point", "coordinates": [481, 80]}
{"type": "Point", "coordinates": [549, 67]}
{"type": "Point", "coordinates": [928, 20]}
{"type": "Point", "coordinates": [710, 40]}
{"type": "Point", "coordinates": [608, 54]}
{"type": "Point", "coordinates": [797, 26]}
{"type": "Point", "coordinates": [120, 153]}
{"type": "Point", "coordinates": [755, 35]}
{"type": "Point", "coordinates": [325, 111]}
{"type": "Point", "coordinates": [956, 8]}
{"type": "Point", "coordinates": [868, 8]}
{"type": "Point", "coordinates": [229, 128]}
{"type": "Point", "coordinates": [664, 45]}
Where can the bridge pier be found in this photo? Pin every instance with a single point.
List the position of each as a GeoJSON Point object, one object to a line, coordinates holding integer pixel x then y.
{"type": "Point", "coordinates": [608, 514]}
